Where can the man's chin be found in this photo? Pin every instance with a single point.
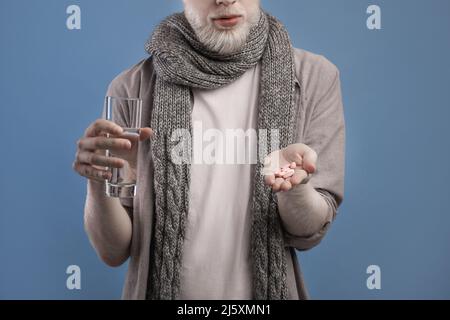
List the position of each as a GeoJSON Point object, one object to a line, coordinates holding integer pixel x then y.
{"type": "Point", "coordinates": [230, 42]}
{"type": "Point", "coordinates": [220, 39]}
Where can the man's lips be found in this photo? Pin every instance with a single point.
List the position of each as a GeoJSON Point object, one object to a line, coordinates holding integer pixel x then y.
{"type": "Point", "coordinates": [227, 21]}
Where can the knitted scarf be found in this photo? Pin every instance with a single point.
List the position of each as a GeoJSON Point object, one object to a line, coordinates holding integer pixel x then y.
{"type": "Point", "coordinates": [181, 63]}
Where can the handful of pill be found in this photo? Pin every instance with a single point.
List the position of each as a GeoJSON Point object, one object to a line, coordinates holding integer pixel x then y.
{"type": "Point", "coordinates": [286, 171]}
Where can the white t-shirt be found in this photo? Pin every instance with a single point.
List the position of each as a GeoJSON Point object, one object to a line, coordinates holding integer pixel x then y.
{"type": "Point", "coordinates": [216, 253]}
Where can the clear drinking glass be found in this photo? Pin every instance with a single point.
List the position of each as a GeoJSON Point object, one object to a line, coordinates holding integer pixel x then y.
{"type": "Point", "coordinates": [127, 113]}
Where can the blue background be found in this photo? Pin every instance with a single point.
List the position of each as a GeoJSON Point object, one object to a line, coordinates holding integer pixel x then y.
{"type": "Point", "coordinates": [395, 84]}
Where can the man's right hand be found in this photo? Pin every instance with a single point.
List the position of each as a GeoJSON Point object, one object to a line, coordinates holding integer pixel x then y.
{"type": "Point", "coordinates": [91, 160]}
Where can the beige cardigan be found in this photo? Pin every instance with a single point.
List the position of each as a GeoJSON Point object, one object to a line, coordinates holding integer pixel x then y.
{"type": "Point", "coordinates": [320, 125]}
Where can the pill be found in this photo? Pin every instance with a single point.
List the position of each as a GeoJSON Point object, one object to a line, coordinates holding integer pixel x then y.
{"type": "Point", "coordinates": [289, 173]}
{"type": "Point", "coordinates": [286, 171]}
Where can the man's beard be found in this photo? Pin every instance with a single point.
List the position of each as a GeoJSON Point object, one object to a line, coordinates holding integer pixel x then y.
{"type": "Point", "coordinates": [224, 41]}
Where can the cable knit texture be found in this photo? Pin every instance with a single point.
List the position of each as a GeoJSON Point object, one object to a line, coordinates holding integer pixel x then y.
{"type": "Point", "coordinates": [182, 62]}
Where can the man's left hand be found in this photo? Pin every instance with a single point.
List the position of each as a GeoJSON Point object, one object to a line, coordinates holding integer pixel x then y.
{"type": "Point", "coordinates": [305, 159]}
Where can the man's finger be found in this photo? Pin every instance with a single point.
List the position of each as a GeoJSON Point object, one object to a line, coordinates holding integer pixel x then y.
{"type": "Point", "coordinates": [145, 133]}
{"type": "Point", "coordinates": [102, 125]}
{"type": "Point", "coordinates": [286, 185]}
{"type": "Point", "coordinates": [269, 179]}
{"type": "Point", "coordinates": [277, 184]}
{"type": "Point", "coordinates": [104, 143]}
{"type": "Point", "coordinates": [91, 172]}
{"type": "Point", "coordinates": [298, 176]}
{"type": "Point", "coordinates": [99, 160]}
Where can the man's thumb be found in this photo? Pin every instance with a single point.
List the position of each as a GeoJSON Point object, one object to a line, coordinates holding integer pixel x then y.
{"type": "Point", "coordinates": [309, 161]}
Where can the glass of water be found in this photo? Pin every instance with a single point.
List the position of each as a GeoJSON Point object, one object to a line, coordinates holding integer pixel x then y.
{"type": "Point", "coordinates": [127, 113]}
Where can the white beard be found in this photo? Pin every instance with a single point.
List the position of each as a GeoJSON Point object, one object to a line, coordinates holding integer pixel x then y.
{"type": "Point", "coordinates": [221, 41]}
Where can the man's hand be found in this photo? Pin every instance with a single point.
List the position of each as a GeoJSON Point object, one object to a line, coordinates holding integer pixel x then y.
{"type": "Point", "coordinates": [90, 159]}
{"type": "Point", "coordinates": [305, 159]}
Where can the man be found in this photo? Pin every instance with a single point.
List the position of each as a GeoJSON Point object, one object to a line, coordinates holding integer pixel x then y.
{"type": "Point", "coordinates": [217, 230]}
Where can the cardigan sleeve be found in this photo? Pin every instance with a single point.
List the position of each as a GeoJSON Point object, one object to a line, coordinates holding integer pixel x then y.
{"type": "Point", "coordinates": [308, 210]}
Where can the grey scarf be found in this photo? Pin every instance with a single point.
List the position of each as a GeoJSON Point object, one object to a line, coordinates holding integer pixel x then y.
{"type": "Point", "coordinates": [182, 63]}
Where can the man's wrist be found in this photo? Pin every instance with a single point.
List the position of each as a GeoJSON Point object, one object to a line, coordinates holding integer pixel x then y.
{"type": "Point", "coordinates": [96, 187]}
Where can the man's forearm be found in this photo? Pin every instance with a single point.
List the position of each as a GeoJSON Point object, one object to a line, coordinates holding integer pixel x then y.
{"type": "Point", "coordinates": [107, 224]}
{"type": "Point", "coordinates": [304, 211]}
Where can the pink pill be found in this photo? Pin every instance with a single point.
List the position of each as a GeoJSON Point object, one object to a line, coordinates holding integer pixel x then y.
{"type": "Point", "coordinates": [289, 173]}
